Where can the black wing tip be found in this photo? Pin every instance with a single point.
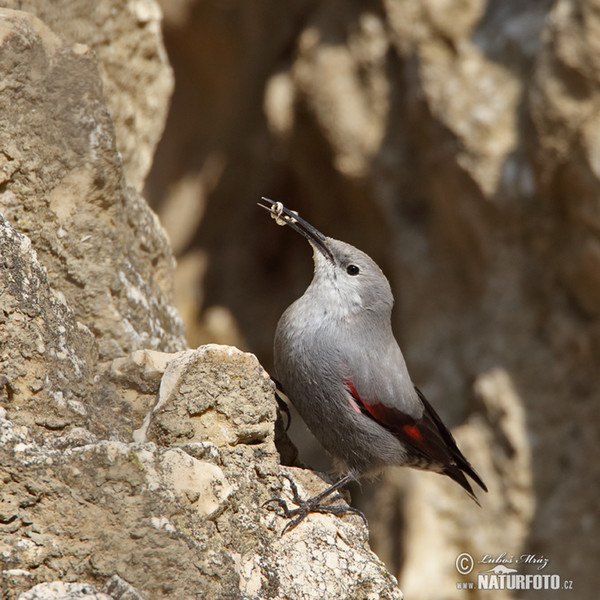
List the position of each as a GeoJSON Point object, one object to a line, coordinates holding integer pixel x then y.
{"type": "Point", "coordinates": [478, 481]}
{"type": "Point", "coordinates": [457, 473]}
{"type": "Point", "coordinates": [460, 464]}
{"type": "Point", "coordinates": [466, 467]}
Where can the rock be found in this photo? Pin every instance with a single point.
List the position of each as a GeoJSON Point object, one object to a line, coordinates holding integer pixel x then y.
{"type": "Point", "coordinates": [48, 359]}
{"type": "Point", "coordinates": [137, 79]}
{"type": "Point", "coordinates": [182, 514]}
{"type": "Point", "coordinates": [564, 110]}
{"type": "Point", "coordinates": [63, 187]}
{"type": "Point", "coordinates": [220, 412]}
{"type": "Point", "coordinates": [116, 589]}
{"type": "Point", "coordinates": [119, 589]}
{"type": "Point", "coordinates": [58, 590]}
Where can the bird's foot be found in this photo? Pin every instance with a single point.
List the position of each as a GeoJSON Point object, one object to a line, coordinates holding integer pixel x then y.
{"type": "Point", "coordinates": [312, 505]}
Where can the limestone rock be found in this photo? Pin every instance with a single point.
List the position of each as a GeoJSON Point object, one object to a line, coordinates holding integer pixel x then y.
{"type": "Point", "coordinates": [63, 187]}
{"type": "Point", "coordinates": [185, 514]}
{"type": "Point", "coordinates": [116, 589]}
{"type": "Point", "coordinates": [218, 377]}
{"type": "Point", "coordinates": [136, 76]}
{"type": "Point", "coordinates": [567, 152]}
{"type": "Point", "coordinates": [63, 591]}
{"type": "Point", "coordinates": [48, 359]}
{"type": "Point", "coordinates": [119, 589]}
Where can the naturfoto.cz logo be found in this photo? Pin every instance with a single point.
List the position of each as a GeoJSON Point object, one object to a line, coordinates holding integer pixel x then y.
{"type": "Point", "coordinates": [503, 577]}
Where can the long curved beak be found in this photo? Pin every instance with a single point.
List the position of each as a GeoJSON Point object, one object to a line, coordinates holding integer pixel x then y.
{"type": "Point", "coordinates": [284, 216]}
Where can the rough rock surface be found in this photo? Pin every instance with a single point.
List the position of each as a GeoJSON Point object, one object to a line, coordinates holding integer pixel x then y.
{"type": "Point", "coordinates": [136, 76]}
{"type": "Point", "coordinates": [181, 516]}
{"type": "Point", "coordinates": [456, 143]}
{"type": "Point", "coordinates": [58, 590]}
{"type": "Point", "coordinates": [127, 471]}
{"type": "Point", "coordinates": [63, 187]}
{"type": "Point", "coordinates": [48, 360]}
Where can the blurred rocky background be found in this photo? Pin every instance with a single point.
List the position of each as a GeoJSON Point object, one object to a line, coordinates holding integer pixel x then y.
{"type": "Point", "coordinates": [456, 142]}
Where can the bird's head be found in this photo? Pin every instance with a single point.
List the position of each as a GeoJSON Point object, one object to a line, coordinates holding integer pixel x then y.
{"type": "Point", "coordinates": [346, 280]}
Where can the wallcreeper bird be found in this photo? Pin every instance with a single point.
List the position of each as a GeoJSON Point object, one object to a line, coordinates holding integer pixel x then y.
{"type": "Point", "coordinates": [337, 360]}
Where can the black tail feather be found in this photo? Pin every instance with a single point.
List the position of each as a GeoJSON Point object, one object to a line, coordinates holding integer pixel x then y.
{"type": "Point", "coordinates": [457, 475]}
{"type": "Point", "coordinates": [456, 465]}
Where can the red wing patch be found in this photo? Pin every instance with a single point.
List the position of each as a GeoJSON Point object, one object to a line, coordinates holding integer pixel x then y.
{"type": "Point", "coordinates": [413, 433]}
{"type": "Point", "coordinates": [391, 418]}
{"type": "Point", "coordinates": [428, 436]}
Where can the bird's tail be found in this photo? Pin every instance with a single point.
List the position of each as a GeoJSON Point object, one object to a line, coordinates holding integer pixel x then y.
{"type": "Point", "coordinates": [456, 473]}
{"type": "Point", "coordinates": [454, 464]}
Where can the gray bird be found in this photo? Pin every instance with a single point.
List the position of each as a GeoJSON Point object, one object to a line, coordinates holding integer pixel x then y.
{"type": "Point", "coordinates": [337, 360]}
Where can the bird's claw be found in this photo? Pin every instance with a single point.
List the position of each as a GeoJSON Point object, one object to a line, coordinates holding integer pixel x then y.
{"type": "Point", "coordinates": [288, 512]}
{"type": "Point", "coordinates": [305, 507]}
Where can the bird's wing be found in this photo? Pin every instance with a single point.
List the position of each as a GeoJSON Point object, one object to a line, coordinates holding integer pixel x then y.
{"type": "Point", "coordinates": [384, 392]}
{"type": "Point", "coordinates": [377, 373]}
{"type": "Point", "coordinates": [458, 462]}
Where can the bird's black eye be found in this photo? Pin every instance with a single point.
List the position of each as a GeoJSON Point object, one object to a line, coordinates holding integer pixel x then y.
{"type": "Point", "coordinates": [352, 270]}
